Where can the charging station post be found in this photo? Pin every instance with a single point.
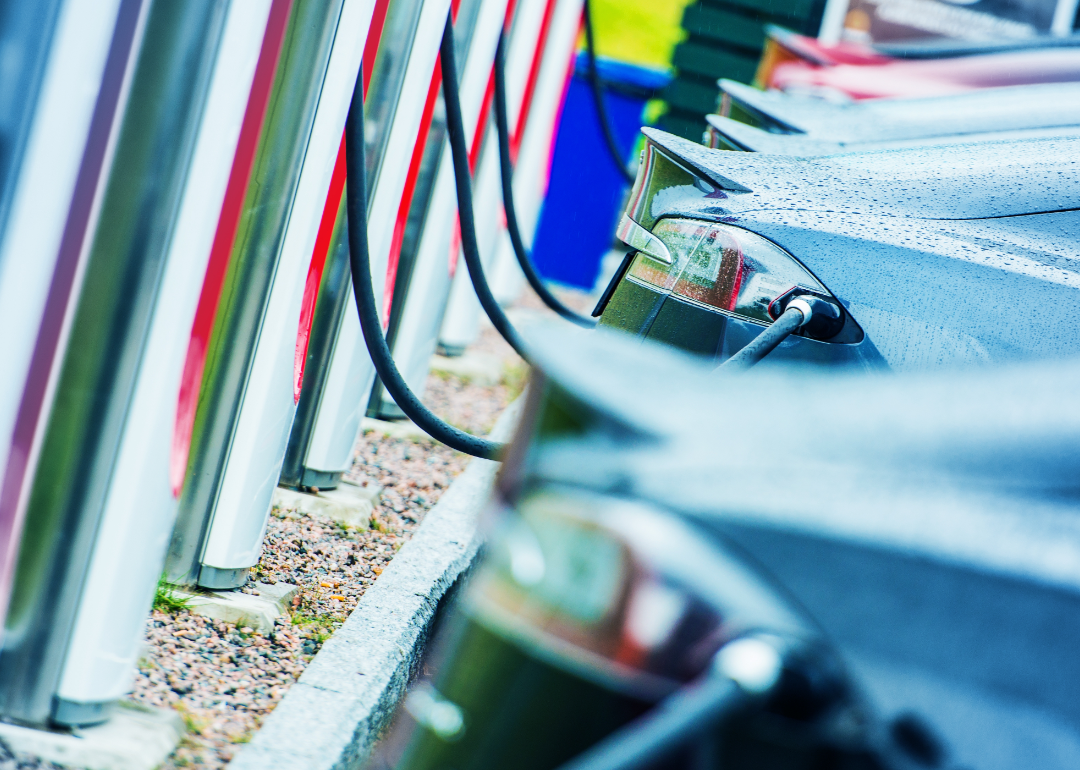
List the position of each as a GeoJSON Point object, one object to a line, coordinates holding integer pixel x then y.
{"type": "Point", "coordinates": [321, 445]}
{"type": "Point", "coordinates": [540, 107]}
{"type": "Point", "coordinates": [49, 171]}
{"type": "Point", "coordinates": [338, 374]}
{"type": "Point", "coordinates": [164, 54]}
{"type": "Point", "coordinates": [427, 264]}
{"type": "Point", "coordinates": [244, 416]}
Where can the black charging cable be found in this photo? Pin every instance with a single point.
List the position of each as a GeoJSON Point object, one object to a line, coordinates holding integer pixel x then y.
{"type": "Point", "coordinates": [366, 306]}
{"type": "Point", "coordinates": [597, 88]}
{"type": "Point", "coordinates": [673, 722]}
{"type": "Point", "coordinates": [789, 322]}
{"type": "Point", "coordinates": [820, 319]}
{"type": "Point", "coordinates": [745, 671]}
{"type": "Point", "coordinates": [502, 124]}
{"type": "Point", "coordinates": [455, 129]}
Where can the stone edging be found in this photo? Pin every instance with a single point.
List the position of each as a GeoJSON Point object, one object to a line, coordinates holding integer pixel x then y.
{"type": "Point", "coordinates": [333, 715]}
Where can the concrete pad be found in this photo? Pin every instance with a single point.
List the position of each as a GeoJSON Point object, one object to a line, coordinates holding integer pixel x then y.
{"type": "Point", "coordinates": [135, 738]}
{"type": "Point", "coordinates": [480, 368]}
{"type": "Point", "coordinates": [332, 717]}
{"type": "Point", "coordinates": [350, 504]}
{"type": "Point", "coordinates": [256, 611]}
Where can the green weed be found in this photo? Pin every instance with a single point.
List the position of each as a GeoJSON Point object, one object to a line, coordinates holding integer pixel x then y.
{"type": "Point", "coordinates": [166, 598]}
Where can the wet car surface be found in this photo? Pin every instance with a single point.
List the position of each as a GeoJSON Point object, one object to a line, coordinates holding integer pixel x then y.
{"type": "Point", "coordinates": [948, 255]}
{"type": "Point", "coordinates": [928, 77]}
{"type": "Point", "coordinates": [792, 124]}
{"type": "Point", "coordinates": [922, 527]}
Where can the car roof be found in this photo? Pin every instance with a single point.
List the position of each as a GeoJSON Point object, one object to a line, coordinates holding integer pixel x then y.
{"type": "Point", "coordinates": [983, 110]}
{"type": "Point", "coordinates": [968, 181]}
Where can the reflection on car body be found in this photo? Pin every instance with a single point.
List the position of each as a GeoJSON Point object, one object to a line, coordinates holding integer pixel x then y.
{"type": "Point", "coordinates": [939, 255]}
{"type": "Point", "coordinates": [922, 548]}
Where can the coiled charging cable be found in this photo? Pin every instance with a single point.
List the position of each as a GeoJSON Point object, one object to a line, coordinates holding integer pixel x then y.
{"type": "Point", "coordinates": [502, 124]}
{"type": "Point", "coordinates": [455, 129]}
{"type": "Point", "coordinates": [744, 670]}
{"type": "Point", "coordinates": [360, 256]}
{"type": "Point", "coordinates": [597, 88]}
{"type": "Point", "coordinates": [364, 292]}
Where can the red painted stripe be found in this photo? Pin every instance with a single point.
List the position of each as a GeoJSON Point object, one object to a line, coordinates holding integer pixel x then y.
{"type": "Point", "coordinates": [315, 269]}
{"type": "Point", "coordinates": [330, 214]}
{"type": "Point", "coordinates": [510, 8]}
{"type": "Point", "coordinates": [481, 122]}
{"type": "Point", "coordinates": [477, 144]}
{"type": "Point", "coordinates": [530, 84]}
{"type": "Point", "coordinates": [402, 218]}
{"type": "Point", "coordinates": [410, 189]}
{"type": "Point", "coordinates": [474, 157]}
{"type": "Point", "coordinates": [220, 252]}
{"type": "Point", "coordinates": [371, 45]}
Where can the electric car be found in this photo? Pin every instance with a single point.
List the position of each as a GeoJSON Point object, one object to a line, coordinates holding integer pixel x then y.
{"type": "Point", "coordinates": [921, 257]}
{"type": "Point", "coordinates": [792, 124]}
{"type": "Point", "coordinates": [905, 547]}
{"type": "Point", "coordinates": [795, 63]}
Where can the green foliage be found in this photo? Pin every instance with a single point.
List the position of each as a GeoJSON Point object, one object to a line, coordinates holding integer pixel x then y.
{"type": "Point", "coordinates": [515, 376]}
{"type": "Point", "coordinates": [166, 598]}
{"type": "Point", "coordinates": [192, 723]}
{"type": "Point", "coordinates": [317, 627]}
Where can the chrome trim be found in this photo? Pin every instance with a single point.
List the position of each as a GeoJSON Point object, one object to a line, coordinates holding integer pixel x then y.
{"type": "Point", "coordinates": [637, 237]}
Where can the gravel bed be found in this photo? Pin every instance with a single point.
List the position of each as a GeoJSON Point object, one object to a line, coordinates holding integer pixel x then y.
{"type": "Point", "coordinates": [224, 680]}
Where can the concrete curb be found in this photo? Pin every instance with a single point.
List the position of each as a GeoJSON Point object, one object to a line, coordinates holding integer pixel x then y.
{"type": "Point", "coordinates": [333, 715]}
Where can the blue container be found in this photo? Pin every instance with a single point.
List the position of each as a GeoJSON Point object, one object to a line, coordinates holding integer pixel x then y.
{"type": "Point", "coordinates": [586, 191]}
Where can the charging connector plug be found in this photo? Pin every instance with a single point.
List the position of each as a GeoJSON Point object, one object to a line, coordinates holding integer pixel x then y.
{"type": "Point", "coordinates": [798, 313]}
{"type": "Point", "coordinates": [745, 671]}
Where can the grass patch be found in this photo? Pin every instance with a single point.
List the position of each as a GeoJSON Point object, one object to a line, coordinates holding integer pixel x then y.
{"type": "Point", "coordinates": [314, 625]}
{"type": "Point", "coordinates": [244, 737]}
{"type": "Point", "coordinates": [315, 630]}
{"type": "Point", "coordinates": [166, 598]}
{"type": "Point", "coordinates": [515, 376]}
{"type": "Point", "coordinates": [193, 724]}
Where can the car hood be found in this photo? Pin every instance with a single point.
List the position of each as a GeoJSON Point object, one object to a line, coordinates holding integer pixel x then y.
{"type": "Point", "coordinates": [969, 181]}
{"type": "Point", "coordinates": [984, 110]}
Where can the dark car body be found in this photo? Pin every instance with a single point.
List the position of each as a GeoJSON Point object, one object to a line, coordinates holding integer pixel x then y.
{"type": "Point", "coordinates": [775, 121]}
{"type": "Point", "coordinates": [939, 255]}
{"type": "Point", "coordinates": [925, 524]}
